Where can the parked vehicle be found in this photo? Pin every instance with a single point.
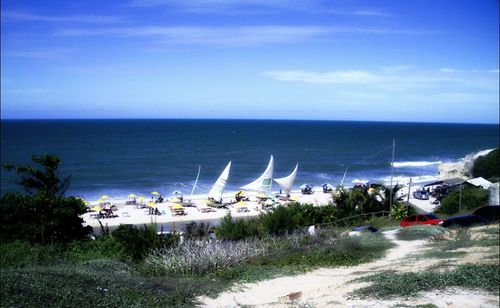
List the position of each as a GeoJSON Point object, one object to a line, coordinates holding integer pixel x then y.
{"type": "Point", "coordinates": [361, 229]}
{"type": "Point", "coordinates": [421, 219]}
{"type": "Point", "coordinates": [421, 195]}
{"type": "Point", "coordinates": [490, 213]}
{"type": "Point", "coordinates": [464, 221]}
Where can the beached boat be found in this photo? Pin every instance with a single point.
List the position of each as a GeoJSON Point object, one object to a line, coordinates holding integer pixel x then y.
{"type": "Point", "coordinates": [264, 182]}
{"type": "Point", "coordinates": [286, 183]}
{"type": "Point", "coordinates": [215, 194]}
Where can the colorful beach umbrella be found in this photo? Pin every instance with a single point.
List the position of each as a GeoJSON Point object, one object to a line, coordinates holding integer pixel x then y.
{"type": "Point", "coordinates": [241, 203]}
{"type": "Point", "coordinates": [132, 196]}
{"type": "Point", "coordinates": [155, 193]}
{"type": "Point", "coordinates": [262, 196]}
{"type": "Point", "coordinates": [152, 204]}
{"type": "Point", "coordinates": [177, 207]}
{"type": "Point", "coordinates": [104, 197]}
{"type": "Point", "coordinates": [96, 208]}
{"type": "Point", "coordinates": [101, 200]}
{"type": "Point", "coordinates": [176, 192]}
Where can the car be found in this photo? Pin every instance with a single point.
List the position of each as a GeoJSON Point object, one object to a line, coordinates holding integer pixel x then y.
{"type": "Point", "coordinates": [421, 195]}
{"type": "Point", "coordinates": [464, 221]}
{"type": "Point", "coordinates": [421, 219]}
{"type": "Point", "coordinates": [489, 213]}
{"type": "Point", "coordinates": [361, 229]}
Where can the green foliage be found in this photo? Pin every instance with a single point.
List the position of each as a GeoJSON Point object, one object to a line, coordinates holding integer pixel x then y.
{"type": "Point", "coordinates": [195, 230]}
{"type": "Point", "coordinates": [99, 283]}
{"type": "Point", "coordinates": [43, 216]}
{"type": "Point", "coordinates": [103, 247]}
{"type": "Point", "coordinates": [419, 232]}
{"type": "Point", "coordinates": [280, 221]}
{"type": "Point", "coordinates": [21, 254]}
{"type": "Point", "coordinates": [41, 181]}
{"type": "Point", "coordinates": [137, 241]}
{"type": "Point", "coordinates": [472, 198]}
{"type": "Point", "coordinates": [238, 229]}
{"type": "Point", "coordinates": [391, 284]}
{"type": "Point", "coordinates": [487, 166]}
{"type": "Point", "coordinates": [399, 211]}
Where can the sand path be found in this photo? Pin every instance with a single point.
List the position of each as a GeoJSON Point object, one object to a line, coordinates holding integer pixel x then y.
{"type": "Point", "coordinates": [329, 287]}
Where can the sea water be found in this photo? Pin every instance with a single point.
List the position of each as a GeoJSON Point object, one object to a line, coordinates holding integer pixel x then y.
{"type": "Point", "coordinates": [119, 157]}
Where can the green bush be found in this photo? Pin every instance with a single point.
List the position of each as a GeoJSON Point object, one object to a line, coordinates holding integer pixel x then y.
{"type": "Point", "coordinates": [280, 221]}
{"type": "Point", "coordinates": [103, 247]}
{"type": "Point", "coordinates": [487, 166]}
{"type": "Point", "coordinates": [43, 215]}
{"type": "Point", "coordinates": [21, 254]}
{"type": "Point", "coordinates": [472, 198]}
{"type": "Point", "coordinates": [137, 241]}
{"type": "Point", "coordinates": [238, 229]}
{"type": "Point", "coordinates": [391, 284]}
{"type": "Point", "coordinates": [419, 232]}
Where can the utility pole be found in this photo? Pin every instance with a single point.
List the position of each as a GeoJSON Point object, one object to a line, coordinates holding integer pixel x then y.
{"type": "Point", "coordinates": [408, 197]}
{"type": "Point", "coordinates": [392, 173]}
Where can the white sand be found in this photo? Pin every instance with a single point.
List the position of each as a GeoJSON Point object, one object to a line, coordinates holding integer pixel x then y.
{"type": "Point", "coordinates": [329, 287]}
{"type": "Point", "coordinates": [128, 214]}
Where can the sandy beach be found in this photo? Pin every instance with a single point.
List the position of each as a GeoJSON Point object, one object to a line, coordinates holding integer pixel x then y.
{"type": "Point", "coordinates": [167, 221]}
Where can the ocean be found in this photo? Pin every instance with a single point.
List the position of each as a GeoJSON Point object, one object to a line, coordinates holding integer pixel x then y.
{"type": "Point", "coordinates": [119, 157]}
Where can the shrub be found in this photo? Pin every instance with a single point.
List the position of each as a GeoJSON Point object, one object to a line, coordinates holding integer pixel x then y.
{"type": "Point", "coordinates": [44, 215]}
{"type": "Point", "coordinates": [280, 221]}
{"type": "Point", "coordinates": [137, 241]}
{"type": "Point", "coordinates": [472, 198]}
{"type": "Point", "coordinates": [238, 229]}
{"type": "Point", "coordinates": [103, 247]}
{"type": "Point", "coordinates": [487, 166]}
{"type": "Point", "coordinates": [419, 232]}
{"type": "Point", "coordinates": [21, 254]}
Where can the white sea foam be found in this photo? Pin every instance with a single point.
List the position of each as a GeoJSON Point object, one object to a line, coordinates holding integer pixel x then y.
{"type": "Point", "coordinates": [406, 179]}
{"type": "Point", "coordinates": [415, 164]}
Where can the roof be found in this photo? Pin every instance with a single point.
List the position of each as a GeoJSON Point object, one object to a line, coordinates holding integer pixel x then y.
{"type": "Point", "coordinates": [480, 182]}
{"type": "Point", "coordinates": [453, 181]}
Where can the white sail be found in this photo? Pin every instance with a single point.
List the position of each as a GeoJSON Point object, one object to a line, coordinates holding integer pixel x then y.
{"type": "Point", "coordinates": [220, 184]}
{"type": "Point", "coordinates": [286, 183]}
{"type": "Point", "coordinates": [264, 182]}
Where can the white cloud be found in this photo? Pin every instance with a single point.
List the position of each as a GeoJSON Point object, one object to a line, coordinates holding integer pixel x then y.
{"type": "Point", "coordinates": [372, 12]}
{"type": "Point", "coordinates": [345, 77]}
{"type": "Point", "coordinates": [234, 36]}
{"type": "Point", "coordinates": [54, 53]}
{"type": "Point", "coordinates": [398, 78]}
{"type": "Point", "coordinates": [90, 19]}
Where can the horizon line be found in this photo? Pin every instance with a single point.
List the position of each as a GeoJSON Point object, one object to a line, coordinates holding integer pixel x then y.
{"type": "Point", "coordinates": [240, 119]}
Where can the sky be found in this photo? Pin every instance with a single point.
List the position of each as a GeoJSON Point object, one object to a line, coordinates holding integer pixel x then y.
{"type": "Point", "coordinates": [409, 61]}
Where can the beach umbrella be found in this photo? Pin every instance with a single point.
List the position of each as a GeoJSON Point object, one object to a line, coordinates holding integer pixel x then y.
{"type": "Point", "coordinates": [141, 198]}
{"type": "Point", "coordinates": [175, 200]}
{"type": "Point", "coordinates": [240, 193]}
{"type": "Point", "coordinates": [101, 200]}
{"type": "Point", "coordinates": [96, 208]}
{"type": "Point", "coordinates": [305, 186]}
{"type": "Point", "coordinates": [176, 192]}
{"type": "Point", "coordinates": [241, 203]}
{"type": "Point", "coordinates": [155, 193]}
{"type": "Point", "coordinates": [104, 197]}
{"type": "Point", "coordinates": [132, 196]}
{"type": "Point", "coordinates": [262, 196]}
{"type": "Point", "coordinates": [177, 207]}
{"type": "Point", "coordinates": [152, 204]}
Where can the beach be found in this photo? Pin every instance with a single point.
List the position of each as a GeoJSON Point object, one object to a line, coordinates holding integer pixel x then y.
{"type": "Point", "coordinates": [167, 221]}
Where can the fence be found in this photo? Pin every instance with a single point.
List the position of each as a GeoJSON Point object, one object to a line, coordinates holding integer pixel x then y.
{"type": "Point", "coordinates": [345, 220]}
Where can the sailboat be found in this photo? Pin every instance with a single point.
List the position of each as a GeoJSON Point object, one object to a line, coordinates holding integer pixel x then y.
{"type": "Point", "coordinates": [286, 183]}
{"type": "Point", "coordinates": [264, 182]}
{"type": "Point", "coordinates": [215, 194]}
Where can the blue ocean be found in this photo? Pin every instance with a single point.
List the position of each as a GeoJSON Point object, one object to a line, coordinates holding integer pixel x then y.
{"type": "Point", "coordinates": [119, 157]}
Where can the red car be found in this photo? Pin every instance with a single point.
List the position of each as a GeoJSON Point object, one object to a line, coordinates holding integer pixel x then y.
{"type": "Point", "coordinates": [421, 219]}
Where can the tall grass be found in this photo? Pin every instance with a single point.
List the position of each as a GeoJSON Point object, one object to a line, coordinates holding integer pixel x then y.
{"type": "Point", "coordinates": [420, 232]}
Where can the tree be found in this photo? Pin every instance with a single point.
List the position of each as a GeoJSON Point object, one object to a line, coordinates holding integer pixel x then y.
{"type": "Point", "coordinates": [471, 198]}
{"type": "Point", "coordinates": [43, 215]}
{"type": "Point", "coordinates": [488, 166]}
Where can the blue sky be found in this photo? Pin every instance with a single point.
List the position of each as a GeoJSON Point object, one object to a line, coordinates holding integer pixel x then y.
{"type": "Point", "coordinates": [418, 61]}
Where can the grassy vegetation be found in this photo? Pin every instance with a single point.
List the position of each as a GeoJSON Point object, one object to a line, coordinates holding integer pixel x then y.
{"type": "Point", "coordinates": [419, 232]}
{"type": "Point", "coordinates": [392, 284]}
{"type": "Point", "coordinates": [170, 276]}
